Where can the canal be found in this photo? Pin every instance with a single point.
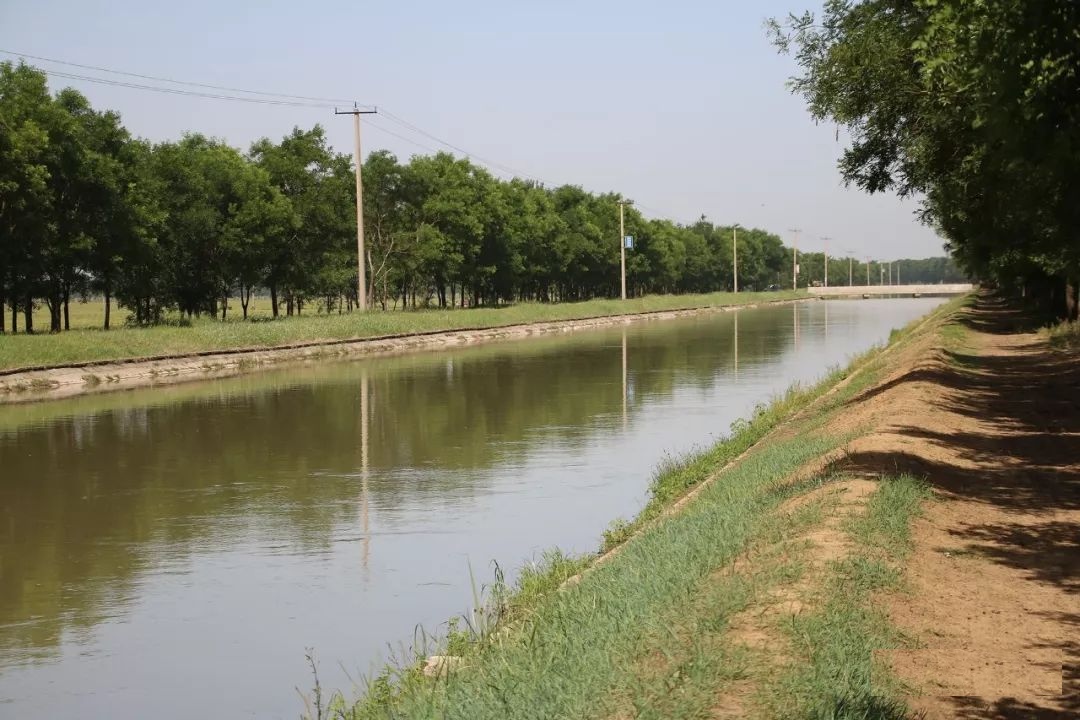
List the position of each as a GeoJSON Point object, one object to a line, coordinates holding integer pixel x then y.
{"type": "Point", "coordinates": [173, 552]}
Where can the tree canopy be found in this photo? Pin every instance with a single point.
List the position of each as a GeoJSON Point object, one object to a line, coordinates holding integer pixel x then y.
{"type": "Point", "coordinates": [970, 105]}
{"type": "Point", "coordinates": [190, 226]}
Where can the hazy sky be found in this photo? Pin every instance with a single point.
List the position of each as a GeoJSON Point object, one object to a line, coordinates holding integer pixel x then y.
{"type": "Point", "coordinates": [679, 105]}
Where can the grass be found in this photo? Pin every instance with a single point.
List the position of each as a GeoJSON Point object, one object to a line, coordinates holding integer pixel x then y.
{"type": "Point", "coordinates": [86, 344]}
{"type": "Point", "coordinates": [677, 475]}
{"type": "Point", "coordinates": [835, 675]}
{"type": "Point", "coordinates": [569, 656]}
{"type": "Point", "coordinates": [1064, 335]}
{"type": "Point", "coordinates": [644, 634]}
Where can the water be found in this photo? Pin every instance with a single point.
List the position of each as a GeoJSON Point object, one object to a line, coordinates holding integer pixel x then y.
{"type": "Point", "coordinates": [172, 552]}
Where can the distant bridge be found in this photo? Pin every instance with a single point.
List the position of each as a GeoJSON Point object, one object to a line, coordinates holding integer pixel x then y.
{"type": "Point", "coordinates": [886, 290]}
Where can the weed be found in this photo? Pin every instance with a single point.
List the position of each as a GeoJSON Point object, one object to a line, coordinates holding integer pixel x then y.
{"type": "Point", "coordinates": [1064, 335]}
{"type": "Point", "coordinates": [618, 532]}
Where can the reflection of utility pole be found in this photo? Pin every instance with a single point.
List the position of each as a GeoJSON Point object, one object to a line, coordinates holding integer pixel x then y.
{"type": "Point", "coordinates": [361, 292]}
{"type": "Point", "coordinates": [736, 344]}
{"type": "Point", "coordinates": [622, 247]}
{"type": "Point", "coordinates": [624, 378]}
{"type": "Point", "coordinates": [795, 322]}
{"type": "Point", "coordinates": [366, 542]}
{"type": "Point", "coordinates": [795, 259]}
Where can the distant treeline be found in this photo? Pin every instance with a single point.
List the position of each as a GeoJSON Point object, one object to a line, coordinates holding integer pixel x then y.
{"type": "Point", "coordinates": [188, 226]}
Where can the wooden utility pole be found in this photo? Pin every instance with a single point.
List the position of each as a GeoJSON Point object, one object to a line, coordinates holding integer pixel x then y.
{"type": "Point", "coordinates": [735, 255]}
{"type": "Point", "coordinates": [622, 248]}
{"type": "Point", "coordinates": [361, 287]}
{"type": "Point", "coordinates": [795, 259]}
{"type": "Point", "coordinates": [826, 241]}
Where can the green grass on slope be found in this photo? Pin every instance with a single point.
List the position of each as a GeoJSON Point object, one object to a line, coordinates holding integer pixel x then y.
{"type": "Point", "coordinates": [85, 345]}
{"type": "Point", "coordinates": [576, 652]}
{"type": "Point", "coordinates": [568, 658]}
{"type": "Point", "coordinates": [834, 675]}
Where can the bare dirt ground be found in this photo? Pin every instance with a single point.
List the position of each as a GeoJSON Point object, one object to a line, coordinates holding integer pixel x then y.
{"type": "Point", "coordinates": [992, 421]}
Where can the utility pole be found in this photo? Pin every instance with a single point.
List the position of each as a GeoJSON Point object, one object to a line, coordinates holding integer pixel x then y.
{"type": "Point", "coordinates": [622, 246]}
{"type": "Point", "coordinates": [361, 287]}
{"type": "Point", "coordinates": [849, 283]}
{"type": "Point", "coordinates": [867, 272]}
{"type": "Point", "coordinates": [735, 254]}
{"type": "Point", "coordinates": [795, 259]}
{"type": "Point", "coordinates": [826, 241]}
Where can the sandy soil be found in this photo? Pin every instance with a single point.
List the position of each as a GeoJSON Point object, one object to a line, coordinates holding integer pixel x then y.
{"type": "Point", "coordinates": [995, 603]}
{"type": "Point", "coordinates": [93, 377]}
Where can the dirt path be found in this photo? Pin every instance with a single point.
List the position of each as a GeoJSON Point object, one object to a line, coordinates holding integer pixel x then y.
{"type": "Point", "coordinates": [992, 421]}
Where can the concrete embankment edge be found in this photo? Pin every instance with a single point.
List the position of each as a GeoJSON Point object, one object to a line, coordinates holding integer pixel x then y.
{"type": "Point", "coordinates": [36, 384]}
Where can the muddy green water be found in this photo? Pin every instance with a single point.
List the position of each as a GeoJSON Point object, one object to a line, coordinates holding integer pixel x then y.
{"type": "Point", "coordinates": [171, 553]}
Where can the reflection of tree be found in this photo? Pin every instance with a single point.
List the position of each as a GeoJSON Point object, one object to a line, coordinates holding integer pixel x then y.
{"type": "Point", "coordinates": [91, 500]}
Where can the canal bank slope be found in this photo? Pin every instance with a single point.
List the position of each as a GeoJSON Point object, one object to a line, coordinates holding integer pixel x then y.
{"type": "Point", "coordinates": [82, 362]}
{"type": "Point", "coordinates": [902, 538]}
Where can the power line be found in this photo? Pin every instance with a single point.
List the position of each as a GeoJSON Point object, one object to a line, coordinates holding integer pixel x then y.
{"type": "Point", "coordinates": [284, 100]}
{"type": "Point", "coordinates": [506, 169]}
{"type": "Point", "coordinates": [405, 123]}
{"type": "Point", "coordinates": [399, 136]}
{"type": "Point", "coordinates": [176, 82]}
{"type": "Point", "coordinates": [177, 91]}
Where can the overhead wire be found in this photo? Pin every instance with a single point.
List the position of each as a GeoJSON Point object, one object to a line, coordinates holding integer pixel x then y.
{"type": "Point", "coordinates": [284, 100]}
{"type": "Point", "coordinates": [177, 91]}
{"type": "Point", "coordinates": [158, 78]}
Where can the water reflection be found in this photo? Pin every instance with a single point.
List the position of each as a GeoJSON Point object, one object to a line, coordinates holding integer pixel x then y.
{"type": "Point", "coordinates": [214, 527]}
{"type": "Point", "coordinates": [624, 378]}
{"type": "Point", "coordinates": [735, 343]}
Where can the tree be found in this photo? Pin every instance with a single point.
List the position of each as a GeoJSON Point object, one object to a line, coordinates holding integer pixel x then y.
{"type": "Point", "coordinates": [971, 106]}
{"type": "Point", "coordinates": [25, 200]}
{"type": "Point", "coordinates": [318, 185]}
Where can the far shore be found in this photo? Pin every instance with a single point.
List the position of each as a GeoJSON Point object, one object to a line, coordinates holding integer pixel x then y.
{"type": "Point", "coordinates": [19, 384]}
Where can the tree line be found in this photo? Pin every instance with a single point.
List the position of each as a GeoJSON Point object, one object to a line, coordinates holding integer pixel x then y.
{"type": "Point", "coordinates": [845, 269]}
{"type": "Point", "coordinates": [974, 107]}
{"type": "Point", "coordinates": [197, 226]}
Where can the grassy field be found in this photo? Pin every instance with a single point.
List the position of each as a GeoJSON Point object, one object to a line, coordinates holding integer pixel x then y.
{"type": "Point", "coordinates": [648, 633]}
{"type": "Point", "coordinates": [85, 342]}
